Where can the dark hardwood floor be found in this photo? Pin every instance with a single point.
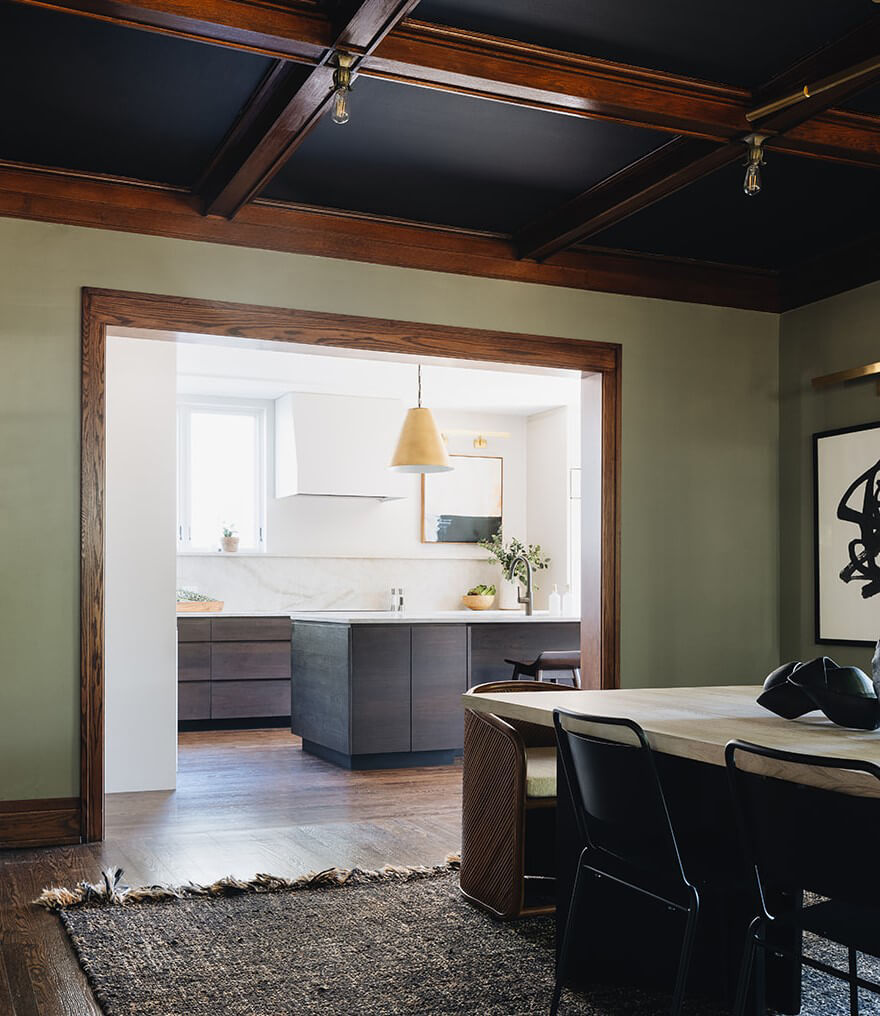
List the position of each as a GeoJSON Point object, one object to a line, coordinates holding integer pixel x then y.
{"type": "Point", "coordinates": [246, 801]}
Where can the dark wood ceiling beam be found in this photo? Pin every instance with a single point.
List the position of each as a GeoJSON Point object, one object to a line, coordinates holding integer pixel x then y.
{"type": "Point", "coordinates": [288, 31]}
{"type": "Point", "coordinates": [812, 86]}
{"type": "Point", "coordinates": [455, 60]}
{"type": "Point", "coordinates": [74, 199]}
{"type": "Point", "coordinates": [776, 111]}
{"type": "Point", "coordinates": [285, 109]}
{"type": "Point", "coordinates": [502, 70]}
{"type": "Point", "coordinates": [655, 176]}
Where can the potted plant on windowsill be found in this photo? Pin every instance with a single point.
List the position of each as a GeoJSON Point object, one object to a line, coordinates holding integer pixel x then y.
{"type": "Point", "coordinates": [229, 541]}
{"type": "Point", "coordinates": [508, 591]}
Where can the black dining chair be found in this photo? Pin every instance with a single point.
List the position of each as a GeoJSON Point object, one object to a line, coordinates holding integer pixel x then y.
{"type": "Point", "coordinates": [624, 826]}
{"type": "Point", "coordinates": [774, 842]}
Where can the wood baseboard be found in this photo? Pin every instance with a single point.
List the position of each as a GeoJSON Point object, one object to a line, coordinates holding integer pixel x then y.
{"type": "Point", "coordinates": [51, 821]}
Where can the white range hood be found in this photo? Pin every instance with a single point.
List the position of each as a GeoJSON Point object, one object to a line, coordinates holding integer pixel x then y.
{"type": "Point", "coordinates": [337, 446]}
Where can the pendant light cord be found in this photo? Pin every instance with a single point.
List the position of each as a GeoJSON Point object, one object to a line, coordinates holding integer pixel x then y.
{"type": "Point", "coordinates": [420, 386]}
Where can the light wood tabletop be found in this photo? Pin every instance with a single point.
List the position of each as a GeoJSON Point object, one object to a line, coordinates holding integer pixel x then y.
{"type": "Point", "coordinates": [696, 723]}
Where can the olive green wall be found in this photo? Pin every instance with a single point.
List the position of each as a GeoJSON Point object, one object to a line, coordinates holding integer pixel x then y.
{"type": "Point", "coordinates": [821, 338]}
{"type": "Point", "coordinates": [700, 441]}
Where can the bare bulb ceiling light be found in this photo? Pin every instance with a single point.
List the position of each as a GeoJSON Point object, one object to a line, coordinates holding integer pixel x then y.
{"type": "Point", "coordinates": [420, 448]}
{"type": "Point", "coordinates": [342, 89]}
{"type": "Point", "coordinates": [752, 181]}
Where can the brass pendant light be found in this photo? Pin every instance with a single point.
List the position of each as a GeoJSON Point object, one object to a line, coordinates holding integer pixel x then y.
{"type": "Point", "coordinates": [420, 448]}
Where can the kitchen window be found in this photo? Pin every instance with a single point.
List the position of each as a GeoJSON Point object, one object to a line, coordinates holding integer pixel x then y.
{"type": "Point", "coordinates": [221, 479]}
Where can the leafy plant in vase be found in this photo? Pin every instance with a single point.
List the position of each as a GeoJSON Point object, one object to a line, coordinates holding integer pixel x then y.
{"type": "Point", "coordinates": [505, 555]}
{"type": "Point", "coordinates": [229, 541]}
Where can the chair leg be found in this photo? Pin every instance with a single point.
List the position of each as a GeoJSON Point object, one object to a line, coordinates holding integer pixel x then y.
{"type": "Point", "coordinates": [745, 971]}
{"type": "Point", "coordinates": [562, 965]}
{"type": "Point", "coordinates": [853, 986]}
{"type": "Point", "coordinates": [576, 674]}
{"type": "Point", "coordinates": [687, 948]}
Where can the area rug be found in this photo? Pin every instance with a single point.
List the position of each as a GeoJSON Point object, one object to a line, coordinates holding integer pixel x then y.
{"type": "Point", "coordinates": [338, 943]}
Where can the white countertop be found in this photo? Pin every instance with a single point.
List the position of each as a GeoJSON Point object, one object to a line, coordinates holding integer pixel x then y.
{"type": "Point", "coordinates": [427, 617]}
{"type": "Point", "coordinates": [392, 617]}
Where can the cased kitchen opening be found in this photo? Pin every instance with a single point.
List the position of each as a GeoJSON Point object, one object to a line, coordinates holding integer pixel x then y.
{"type": "Point", "coordinates": [306, 612]}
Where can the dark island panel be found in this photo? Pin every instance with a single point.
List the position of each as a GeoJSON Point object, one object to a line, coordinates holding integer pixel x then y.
{"type": "Point", "coordinates": [320, 698]}
{"type": "Point", "coordinates": [492, 644]}
{"type": "Point", "coordinates": [439, 678]}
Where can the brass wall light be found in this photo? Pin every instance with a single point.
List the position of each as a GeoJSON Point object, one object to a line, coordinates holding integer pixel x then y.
{"type": "Point", "coordinates": [752, 181]}
{"type": "Point", "coordinates": [342, 89]}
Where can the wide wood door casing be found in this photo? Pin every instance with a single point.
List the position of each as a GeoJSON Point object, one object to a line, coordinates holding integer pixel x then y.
{"type": "Point", "coordinates": [439, 678]}
{"type": "Point", "coordinates": [380, 688]}
{"type": "Point", "coordinates": [104, 309]}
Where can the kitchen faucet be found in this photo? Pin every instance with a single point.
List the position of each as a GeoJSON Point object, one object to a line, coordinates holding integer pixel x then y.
{"type": "Point", "coordinates": [527, 599]}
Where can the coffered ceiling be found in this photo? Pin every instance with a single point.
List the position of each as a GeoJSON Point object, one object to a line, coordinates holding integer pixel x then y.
{"type": "Point", "coordinates": [594, 145]}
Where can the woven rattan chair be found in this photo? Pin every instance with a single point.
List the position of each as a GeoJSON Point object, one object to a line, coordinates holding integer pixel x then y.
{"type": "Point", "coordinates": [508, 809]}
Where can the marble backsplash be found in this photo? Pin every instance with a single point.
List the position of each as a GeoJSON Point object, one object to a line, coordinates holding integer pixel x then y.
{"type": "Point", "coordinates": [285, 584]}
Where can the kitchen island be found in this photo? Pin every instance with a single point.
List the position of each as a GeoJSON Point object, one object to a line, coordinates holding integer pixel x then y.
{"type": "Point", "coordinates": [374, 689]}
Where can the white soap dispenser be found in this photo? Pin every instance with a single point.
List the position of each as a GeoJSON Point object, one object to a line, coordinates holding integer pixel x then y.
{"type": "Point", "coordinates": [568, 603]}
{"type": "Point", "coordinates": [555, 602]}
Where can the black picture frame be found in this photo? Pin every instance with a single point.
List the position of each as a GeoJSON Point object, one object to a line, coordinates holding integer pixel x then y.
{"type": "Point", "coordinates": [818, 577]}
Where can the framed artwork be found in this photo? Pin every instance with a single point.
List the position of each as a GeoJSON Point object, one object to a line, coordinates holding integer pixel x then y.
{"type": "Point", "coordinates": [465, 505]}
{"type": "Point", "coordinates": [846, 471]}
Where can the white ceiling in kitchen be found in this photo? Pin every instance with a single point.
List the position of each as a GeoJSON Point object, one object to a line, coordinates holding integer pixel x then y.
{"type": "Point", "coordinates": [205, 368]}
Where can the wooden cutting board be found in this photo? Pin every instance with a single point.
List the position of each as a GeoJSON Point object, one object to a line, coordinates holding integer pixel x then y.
{"type": "Point", "coordinates": [199, 606]}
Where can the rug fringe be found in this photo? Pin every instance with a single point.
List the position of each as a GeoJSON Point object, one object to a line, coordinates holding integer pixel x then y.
{"type": "Point", "coordinates": [111, 891]}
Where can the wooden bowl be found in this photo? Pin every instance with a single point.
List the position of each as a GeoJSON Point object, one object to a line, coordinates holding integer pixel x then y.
{"type": "Point", "coordinates": [478, 602]}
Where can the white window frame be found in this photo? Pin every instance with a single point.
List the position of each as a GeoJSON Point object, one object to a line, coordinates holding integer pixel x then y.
{"type": "Point", "coordinates": [259, 410]}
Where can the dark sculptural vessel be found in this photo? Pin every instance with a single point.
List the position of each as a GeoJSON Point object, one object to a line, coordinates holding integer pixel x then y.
{"type": "Point", "coordinates": [846, 695]}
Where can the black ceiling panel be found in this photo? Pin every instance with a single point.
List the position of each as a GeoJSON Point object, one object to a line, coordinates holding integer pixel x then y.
{"type": "Point", "coordinates": [734, 41]}
{"type": "Point", "coordinates": [432, 156]}
{"type": "Point", "coordinates": [85, 95]}
{"type": "Point", "coordinates": [805, 207]}
{"type": "Point", "coordinates": [866, 102]}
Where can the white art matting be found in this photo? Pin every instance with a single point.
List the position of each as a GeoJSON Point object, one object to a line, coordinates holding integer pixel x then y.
{"type": "Point", "coordinates": [842, 458]}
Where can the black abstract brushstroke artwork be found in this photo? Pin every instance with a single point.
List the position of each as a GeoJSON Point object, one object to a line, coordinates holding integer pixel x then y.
{"type": "Point", "coordinates": [863, 564]}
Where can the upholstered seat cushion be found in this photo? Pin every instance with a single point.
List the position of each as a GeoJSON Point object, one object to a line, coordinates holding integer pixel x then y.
{"type": "Point", "coordinates": [540, 772]}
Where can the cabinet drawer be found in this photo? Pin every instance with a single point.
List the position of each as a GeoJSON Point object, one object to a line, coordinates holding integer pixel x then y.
{"type": "Point", "coordinates": [246, 699]}
{"type": "Point", "coordinates": [194, 700]}
{"type": "Point", "coordinates": [250, 629]}
{"type": "Point", "coordinates": [194, 661]}
{"type": "Point", "coordinates": [194, 629]}
{"type": "Point", "coordinates": [250, 661]}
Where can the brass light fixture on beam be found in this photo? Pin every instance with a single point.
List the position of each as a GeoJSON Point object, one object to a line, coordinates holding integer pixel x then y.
{"type": "Point", "coordinates": [342, 89]}
{"type": "Point", "coordinates": [752, 180]}
{"type": "Point", "coordinates": [420, 448]}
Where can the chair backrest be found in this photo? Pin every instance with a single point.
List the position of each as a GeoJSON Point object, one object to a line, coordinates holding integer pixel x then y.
{"type": "Point", "coordinates": [616, 794]}
{"type": "Point", "coordinates": [791, 832]}
{"type": "Point", "coordinates": [502, 687]}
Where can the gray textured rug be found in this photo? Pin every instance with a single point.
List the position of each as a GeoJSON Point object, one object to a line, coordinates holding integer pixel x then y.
{"type": "Point", "coordinates": [402, 943]}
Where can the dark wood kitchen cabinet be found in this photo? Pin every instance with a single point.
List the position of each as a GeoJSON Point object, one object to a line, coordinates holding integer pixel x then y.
{"type": "Point", "coordinates": [439, 677]}
{"type": "Point", "coordinates": [379, 695]}
{"type": "Point", "coordinates": [233, 669]}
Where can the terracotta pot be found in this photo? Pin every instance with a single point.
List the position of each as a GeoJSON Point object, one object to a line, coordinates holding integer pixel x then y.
{"type": "Point", "coordinates": [229, 544]}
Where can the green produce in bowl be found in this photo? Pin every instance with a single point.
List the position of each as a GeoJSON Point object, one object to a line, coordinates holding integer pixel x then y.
{"type": "Point", "coordinates": [481, 591]}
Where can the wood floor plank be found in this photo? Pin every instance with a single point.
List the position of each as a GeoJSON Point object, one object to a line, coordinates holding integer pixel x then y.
{"type": "Point", "coordinates": [246, 801]}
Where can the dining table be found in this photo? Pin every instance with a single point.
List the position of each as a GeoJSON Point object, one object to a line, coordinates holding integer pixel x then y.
{"type": "Point", "coordinates": [621, 938]}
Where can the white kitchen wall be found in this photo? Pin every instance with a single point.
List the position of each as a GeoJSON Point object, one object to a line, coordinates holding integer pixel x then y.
{"type": "Point", "coordinates": [547, 502]}
{"type": "Point", "coordinates": [141, 640]}
{"type": "Point", "coordinates": [346, 553]}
